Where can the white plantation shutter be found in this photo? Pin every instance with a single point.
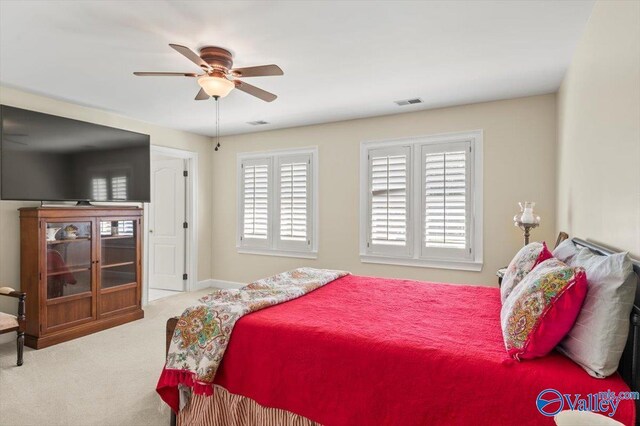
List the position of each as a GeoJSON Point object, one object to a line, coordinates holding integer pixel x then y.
{"type": "Point", "coordinates": [255, 201]}
{"type": "Point", "coordinates": [105, 228]}
{"type": "Point", "coordinates": [446, 205]}
{"type": "Point", "coordinates": [125, 227]}
{"type": "Point", "coordinates": [99, 189]}
{"type": "Point", "coordinates": [119, 188]}
{"type": "Point", "coordinates": [389, 178]}
{"type": "Point", "coordinates": [294, 200]}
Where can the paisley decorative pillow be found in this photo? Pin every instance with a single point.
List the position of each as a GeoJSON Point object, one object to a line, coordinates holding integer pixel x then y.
{"type": "Point", "coordinates": [542, 309]}
{"type": "Point", "coordinates": [522, 263]}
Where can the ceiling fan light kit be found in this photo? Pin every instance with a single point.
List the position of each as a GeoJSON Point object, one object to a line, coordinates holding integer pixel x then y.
{"type": "Point", "coordinates": [216, 86]}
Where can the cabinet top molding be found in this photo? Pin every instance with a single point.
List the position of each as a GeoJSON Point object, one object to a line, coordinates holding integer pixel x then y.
{"type": "Point", "coordinates": [52, 212]}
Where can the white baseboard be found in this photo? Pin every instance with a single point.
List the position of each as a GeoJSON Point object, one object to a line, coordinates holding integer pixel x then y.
{"type": "Point", "coordinates": [227, 284]}
{"type": "Point", "coordinates": [218, 284]}
{"type": "Point", "coordinates": [203, 284]}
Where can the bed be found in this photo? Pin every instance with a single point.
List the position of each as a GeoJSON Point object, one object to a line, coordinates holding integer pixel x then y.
{"type": "Point", "coordinates": [364, 350]}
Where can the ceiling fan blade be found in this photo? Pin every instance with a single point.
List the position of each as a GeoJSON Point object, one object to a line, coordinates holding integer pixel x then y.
{"type": "Point", "coordinates": [190, 55]}
{"type": "Point", "coordinates": [202, 95]}
{"type": "Point", "coordinates": [255, 91]}
{"type": "Point", "coordinates": [165, 74]}
{"type": "Point", "coordinates": [259, 71]}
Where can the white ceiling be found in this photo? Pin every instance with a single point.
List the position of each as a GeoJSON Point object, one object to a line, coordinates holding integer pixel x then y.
{"type": "Point", "coordinates": [341, 59]}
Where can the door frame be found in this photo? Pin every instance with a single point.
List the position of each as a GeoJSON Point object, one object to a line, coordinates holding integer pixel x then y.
{"type": "Point", "coordinates": [191, 194]}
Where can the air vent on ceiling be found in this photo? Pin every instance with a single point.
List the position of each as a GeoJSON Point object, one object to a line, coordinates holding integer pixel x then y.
{"type": "Point", "coordinates": [409, 102]}
{"type": "Point", "coordinates": [258, 122]}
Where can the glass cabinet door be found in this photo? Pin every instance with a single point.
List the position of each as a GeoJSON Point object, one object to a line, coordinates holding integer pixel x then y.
{"type": "Point", "coordinates": [118, 252]}
{"type": "Point", "coordinates": [68, 258]}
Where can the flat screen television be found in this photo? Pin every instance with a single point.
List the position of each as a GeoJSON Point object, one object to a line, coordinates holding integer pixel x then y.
{"type": "Point", "coordinates": [49, 158]}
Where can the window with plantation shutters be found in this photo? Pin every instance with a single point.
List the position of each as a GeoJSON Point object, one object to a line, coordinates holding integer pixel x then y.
{"type": "Point", "coordinates": [108, 185]}
{"type": "Point", "coordinates": [421, 201]}
{"type": "Point", "coordinates": [389, 170]}
{"type": "Point", "coordinates": [277, 203]}
{"type": "Point", "coordinates": [255, 197]}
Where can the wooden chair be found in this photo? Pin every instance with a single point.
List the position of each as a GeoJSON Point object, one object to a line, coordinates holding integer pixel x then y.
{"type": "Point", "coordinates": [9, 323]}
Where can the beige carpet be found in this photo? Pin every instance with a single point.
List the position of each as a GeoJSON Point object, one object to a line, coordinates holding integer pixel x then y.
{"type": "Point", "coordinates": [107, 378]}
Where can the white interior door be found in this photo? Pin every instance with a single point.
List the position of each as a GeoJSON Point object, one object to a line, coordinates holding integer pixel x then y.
{"type": "Point", "coordinates": [167, 214]}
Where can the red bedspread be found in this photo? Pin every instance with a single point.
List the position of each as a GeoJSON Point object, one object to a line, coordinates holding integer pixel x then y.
{"type": "Point", "coordinates": [366, 350]}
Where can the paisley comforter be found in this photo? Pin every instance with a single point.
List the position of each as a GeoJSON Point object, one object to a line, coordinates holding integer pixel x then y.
{"type": "Point", "coordinates": [203, 331]}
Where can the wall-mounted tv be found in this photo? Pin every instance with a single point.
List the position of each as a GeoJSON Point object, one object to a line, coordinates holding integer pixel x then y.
{"type": "Point", "coordinates": [49, 158]}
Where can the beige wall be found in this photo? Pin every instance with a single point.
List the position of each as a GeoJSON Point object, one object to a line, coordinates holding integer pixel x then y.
{"type": "Point", "coordinates": [599, 131]}
{"type": "Point", "coordinates": [519, 164]}
{"type": "Point", "coordinates": [9, 223]}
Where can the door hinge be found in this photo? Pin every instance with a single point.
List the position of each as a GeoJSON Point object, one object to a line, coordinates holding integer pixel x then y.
{"type": "Point", "coordinates": [185, 225]}
{"type": "Point", "coordinates": [184, 276]}
{"type": "Point", "coordinates": [185, 173]}
{"type": "Point", "coordinates": [40, 276]}
{"type": "Point", "coordinates": [39, 225]}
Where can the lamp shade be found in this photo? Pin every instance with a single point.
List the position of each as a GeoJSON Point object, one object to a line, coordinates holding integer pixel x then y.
{"type": "Point", "coordinates": [526, 215]}
{"type": "Point", "coordinates": [216, 86]}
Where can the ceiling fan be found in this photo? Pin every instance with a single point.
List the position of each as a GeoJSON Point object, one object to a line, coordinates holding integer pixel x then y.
{"type": "Point", "coordinates": [219, 78]}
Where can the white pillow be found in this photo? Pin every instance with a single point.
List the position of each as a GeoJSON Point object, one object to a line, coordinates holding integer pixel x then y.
{"type": "Point", "coordinates": [598, 337]}
{"type": "Point", "coordinates": [566, 251]}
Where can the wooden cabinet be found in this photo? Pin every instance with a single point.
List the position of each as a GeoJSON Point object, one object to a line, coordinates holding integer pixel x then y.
{"type": "Point", "coordinates": [81, 270]}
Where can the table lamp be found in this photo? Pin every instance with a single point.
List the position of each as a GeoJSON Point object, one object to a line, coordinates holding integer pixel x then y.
{"type": "Point", "coordinates": [526, 219]}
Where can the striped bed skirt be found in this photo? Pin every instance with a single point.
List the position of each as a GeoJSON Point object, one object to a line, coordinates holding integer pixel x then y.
{"type": "Point", "coordinates": [224, 409]}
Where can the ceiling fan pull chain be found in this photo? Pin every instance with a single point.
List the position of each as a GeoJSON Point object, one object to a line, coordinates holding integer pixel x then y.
{"type": "Point", "coordinates": [217, 122]}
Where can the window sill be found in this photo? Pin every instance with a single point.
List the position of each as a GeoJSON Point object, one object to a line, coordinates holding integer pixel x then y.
{"type": "Point", "coordinates": [280, 253]}
{"type": "Point", "coordinates": [458, 265]}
